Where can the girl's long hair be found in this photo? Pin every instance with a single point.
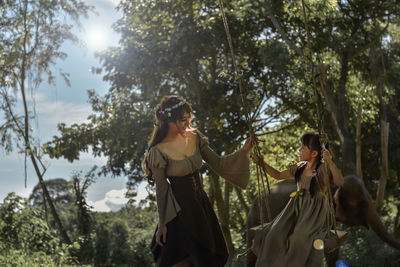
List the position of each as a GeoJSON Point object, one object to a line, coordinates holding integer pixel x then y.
{"type": "Point", "coordinates": [162, 117]}
{"type": "Point", "coordinates": [311, 140]}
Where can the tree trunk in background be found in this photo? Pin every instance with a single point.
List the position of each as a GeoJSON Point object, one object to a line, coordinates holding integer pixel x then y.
{"type": "Point", "coordinates": [358, 144]}
{"type": "Point", "coordinates": [339, 115]}
{"type": "Point", "coordinates": [241, 199]}
{"type": "Point", "coordinates": [46, 194]}
{"type": "Point", "coordinates": [223, 211]}
{"type": "Point", "coordinates": [20, 75]}
{"type": "Point", "coordinates": [216, 195]}
{"type": "Point", "coordinates": [348, 144]}
{"type": "Point", "coordinates": [396, 230]}
{"type": "Point", "coordinates": [377, 73]}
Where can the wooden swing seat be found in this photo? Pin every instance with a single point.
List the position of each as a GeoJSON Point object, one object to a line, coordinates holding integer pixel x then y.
{"type": "Point", "coordinates": [331, 243]}
{"type": "Point", "coordinates": [335, 240]}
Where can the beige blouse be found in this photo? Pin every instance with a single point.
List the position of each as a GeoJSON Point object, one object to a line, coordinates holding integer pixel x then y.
{"type": "Point", "coordinates": [233, 167]}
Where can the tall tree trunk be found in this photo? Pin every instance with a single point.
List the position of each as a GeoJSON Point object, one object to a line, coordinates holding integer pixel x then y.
{"type": "Point", "coordinates": [242, 200]}
{"type": "Point", "coordinates": [339, 114]}
{"type": "Point", "coordinates": [30, 150]}
{"type": "Point", "coordinates": [348, 145]}
{"type": "Point", "coordinates": [39, 174]}
{"type": "Point", "coordinates": [358, 144]}
{"type": "Point", "coordinates": [396, 230]}
{"type": "Point", "coordinates": [384, 149]}
{"type": "Point", "coordinates": [221, 201]}
{"type": "Point", "coordinates": [222, 210]}
{"type": "Point", "coordinates": [377, 76]}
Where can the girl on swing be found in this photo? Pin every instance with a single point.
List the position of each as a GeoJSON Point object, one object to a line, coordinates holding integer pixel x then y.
{"type": "Point", "coordinates": [288, 239]}
{"type": "Point", "coordinates": [188, 233]}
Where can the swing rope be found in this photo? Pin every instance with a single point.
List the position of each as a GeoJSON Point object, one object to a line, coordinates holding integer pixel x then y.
{"type": "Point", "coordinates": [331, 220]}
{"type": "Point", "coordinates": [238, 77]}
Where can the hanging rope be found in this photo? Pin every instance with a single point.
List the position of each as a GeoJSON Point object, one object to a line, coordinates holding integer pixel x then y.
{"type": "Point", "coordinates": [238, 77]}
{"type": "Point", "coordinates": [331, 221]}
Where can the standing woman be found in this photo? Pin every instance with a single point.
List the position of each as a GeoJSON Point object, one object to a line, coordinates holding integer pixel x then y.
{"type": "Point", "coordinates": [188, 232]}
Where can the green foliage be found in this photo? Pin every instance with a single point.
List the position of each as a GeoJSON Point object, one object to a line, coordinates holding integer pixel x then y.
{"type": "Point", "coordinates": [31, 36]}
{"type": "Point", "coordinates": [364, 248]}
{"type": "Point", "coordinates": [115, 238]}
{"type": "Point", "coordinates": [59, 190]}
{"type": "Point", "coordinates": [179, 47]}
{"type": "Point", "coordinates": [124, 237]}
{"type": "Point", "coordinates": [25, 238]}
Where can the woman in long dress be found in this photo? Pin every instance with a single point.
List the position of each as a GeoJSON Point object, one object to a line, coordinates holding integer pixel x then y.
{"type": "Point", "coordinates": [288, 240]}
{"type": "Point", "coordinates": [188, 232]}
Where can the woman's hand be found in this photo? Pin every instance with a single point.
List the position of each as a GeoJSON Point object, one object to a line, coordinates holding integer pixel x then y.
{"type": "Point", "coordinates": [161, 233]}
{"type": "Point", "coordinates": [249, 144]}
{"type": "Point", "coordinates": [258, 160]}
{"type": "Point", "coordinates": [326, 155]}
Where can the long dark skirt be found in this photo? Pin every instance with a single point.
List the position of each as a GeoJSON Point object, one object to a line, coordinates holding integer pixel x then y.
{"type": "Point", "coordinates": [195, 234]}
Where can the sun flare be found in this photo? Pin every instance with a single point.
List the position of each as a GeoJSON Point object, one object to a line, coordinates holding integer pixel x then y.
{"type": "Point", "coordinates": [97, 38]}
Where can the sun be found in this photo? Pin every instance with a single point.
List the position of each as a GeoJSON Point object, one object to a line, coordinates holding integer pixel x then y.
{"type": "Point", "coordinates": [97, 38]}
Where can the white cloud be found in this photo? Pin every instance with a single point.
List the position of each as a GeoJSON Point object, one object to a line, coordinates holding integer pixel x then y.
{"type": "Point", "coordinates": [53, 113]}
{"type": "Point", "coordinates": [114, 200]}
{"type": "Point", "coordinates": [114, 2]}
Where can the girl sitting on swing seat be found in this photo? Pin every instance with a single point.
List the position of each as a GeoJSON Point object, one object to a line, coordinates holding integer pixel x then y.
{"type": "Point", "coordinates": [288, 239]}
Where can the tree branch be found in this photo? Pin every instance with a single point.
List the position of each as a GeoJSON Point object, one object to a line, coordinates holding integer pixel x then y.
{"type": "Point", "coordinates": [281, 31]}
{"type": "Point", "coordinates": [331, 107]}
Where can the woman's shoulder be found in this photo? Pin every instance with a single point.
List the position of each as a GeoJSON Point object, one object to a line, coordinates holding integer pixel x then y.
{"type": "Point", "coordinates": [193, 132]}
{"type": "Point", "coordinates": [196, 133]}
{"type": "Point", "coordinates": [156, 157]}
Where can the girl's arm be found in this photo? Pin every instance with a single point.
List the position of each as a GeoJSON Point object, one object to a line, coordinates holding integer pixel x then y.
{"type": "Point", "coordinates": [336, 173]}
{"type": "Point", "coordinates": [279, 175]}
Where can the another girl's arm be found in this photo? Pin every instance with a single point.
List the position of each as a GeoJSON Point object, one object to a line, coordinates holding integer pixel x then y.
{"type": "Point", "coordinates": [336, 173]}
{"type": "Point", "coordinates": [279, 175]}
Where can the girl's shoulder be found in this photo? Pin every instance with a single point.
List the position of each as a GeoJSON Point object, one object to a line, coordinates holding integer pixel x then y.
{"type": "Point", "coordinates": [301, 164]}
{"type": "Point", "coordinates": [295, 167]}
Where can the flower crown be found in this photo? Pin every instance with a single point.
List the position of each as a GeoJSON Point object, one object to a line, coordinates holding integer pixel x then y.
{"type": "Point", "coordinates": [168, 110]}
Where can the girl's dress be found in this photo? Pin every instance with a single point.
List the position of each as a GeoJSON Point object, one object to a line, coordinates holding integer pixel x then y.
{"type": "Point", "coordinates": [193, 231]}
{"type": "Point", "coordinates": [288, 239]}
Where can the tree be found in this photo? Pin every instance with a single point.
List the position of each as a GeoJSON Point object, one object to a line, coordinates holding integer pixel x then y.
{"type": "Point", "coordinates": [80, 186]}
{"type": "Point", "coordinates": [25, 237]}
{"type": "Point", "coordinates": [180, 47]}
{"type": "Point", "coordinates": [172, 47]}
{"type": "Point", "coordinates": [59, 191]}
{"type": "Point", "coordinates": [32, 33]}
{"type": "Point", "coordinates": [343, 33]}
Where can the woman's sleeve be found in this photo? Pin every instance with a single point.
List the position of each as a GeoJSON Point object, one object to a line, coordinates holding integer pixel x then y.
{"type": "Point", "coordinates": [233, 167]}
{"type": "Point", "coordinates": [167, 205]}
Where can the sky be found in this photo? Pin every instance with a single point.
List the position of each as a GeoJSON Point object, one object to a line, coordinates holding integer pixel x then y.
{"type": "Point", "coordinates": [59, 103]}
